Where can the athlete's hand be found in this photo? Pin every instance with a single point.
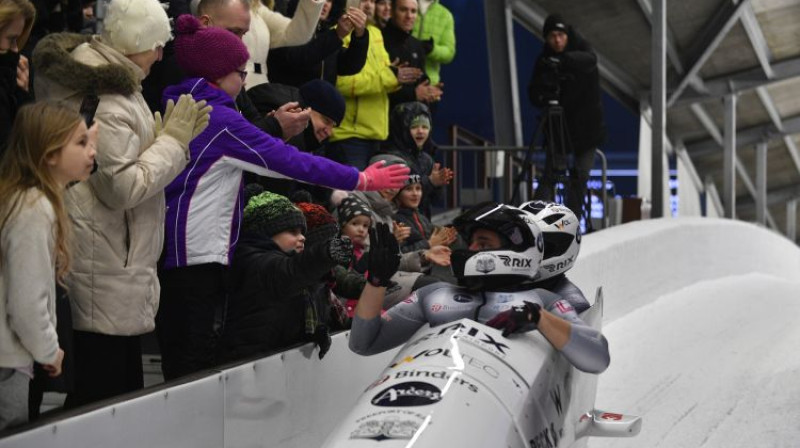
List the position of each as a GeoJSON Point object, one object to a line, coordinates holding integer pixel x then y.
{"type": "Point", "coordinates": [384, 256]}
{"type": "Point", "coordinates": [516, 318]}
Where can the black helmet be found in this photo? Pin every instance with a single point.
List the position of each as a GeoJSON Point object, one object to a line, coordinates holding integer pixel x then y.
{"type": "Point", "coordinates": [516, 261]}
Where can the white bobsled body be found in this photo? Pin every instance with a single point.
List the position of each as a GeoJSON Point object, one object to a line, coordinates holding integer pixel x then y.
{"type": "Point", "coordinates": [463, 384]}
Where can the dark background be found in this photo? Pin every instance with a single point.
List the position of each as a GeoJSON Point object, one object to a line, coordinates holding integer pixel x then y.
{"type": "Point", "coordinates": [467, 97]}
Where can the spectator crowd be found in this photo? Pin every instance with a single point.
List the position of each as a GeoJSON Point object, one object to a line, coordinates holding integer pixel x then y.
{"type": "Point", "coordinates": [208, 170]}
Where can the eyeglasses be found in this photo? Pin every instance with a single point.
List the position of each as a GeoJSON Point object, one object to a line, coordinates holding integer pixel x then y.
{"type": "Point", "coordinates": [242, 73]}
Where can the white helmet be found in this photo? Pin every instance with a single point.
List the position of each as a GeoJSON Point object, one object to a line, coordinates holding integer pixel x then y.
{"type": "Point", "coordinates": [516, 261]}
{"type": "Point", "coordinates": [562, 236]}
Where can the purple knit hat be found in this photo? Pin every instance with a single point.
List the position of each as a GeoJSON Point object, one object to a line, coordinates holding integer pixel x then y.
{"type": "Point", "coordinates": [207, 52]}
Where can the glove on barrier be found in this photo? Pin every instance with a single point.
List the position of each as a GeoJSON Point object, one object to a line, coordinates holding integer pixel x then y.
{"type": "Point", "coordinates": [384, 256]}
{"type": "Point", "coordinates": [516, 318]}
{"type": "Point", "coordinates": [340, 250]}
{"type": "Point", "coordinates": [379, 177]}
{"type": "Point", "coordinates": [322, 338]}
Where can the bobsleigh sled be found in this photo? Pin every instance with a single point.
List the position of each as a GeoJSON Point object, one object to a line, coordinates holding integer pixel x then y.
{"type": "Point", "coordinates": [463, 384]}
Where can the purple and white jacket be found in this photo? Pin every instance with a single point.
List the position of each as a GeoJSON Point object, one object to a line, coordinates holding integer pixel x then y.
{"type": "Point", "coordinates": [204, 203]}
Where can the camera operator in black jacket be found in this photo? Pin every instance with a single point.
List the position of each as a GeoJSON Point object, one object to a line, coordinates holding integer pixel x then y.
{"type": "Point", "coordinates": [566, 73]}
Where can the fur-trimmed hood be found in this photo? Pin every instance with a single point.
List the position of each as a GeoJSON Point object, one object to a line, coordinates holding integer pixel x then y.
{"type": "Point", "coordinates": [85, 64]}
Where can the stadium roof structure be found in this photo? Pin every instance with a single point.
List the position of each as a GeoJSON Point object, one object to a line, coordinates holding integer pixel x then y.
{"type": "Point", "coordinates": [726, 60]}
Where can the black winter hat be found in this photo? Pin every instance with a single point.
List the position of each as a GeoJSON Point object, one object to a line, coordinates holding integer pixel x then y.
{"type": "Point", "coordinates": [351, 207]}
{"type": "Point", "coordinates": [554, 22]}
{"type": "Point", "coordinates": [322, 97]}
{"type": "Point", "coordinates": [268, 214]}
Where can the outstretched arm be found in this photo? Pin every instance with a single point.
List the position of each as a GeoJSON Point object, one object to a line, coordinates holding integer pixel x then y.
{"type": "Point", "coordinates": [370, 333]}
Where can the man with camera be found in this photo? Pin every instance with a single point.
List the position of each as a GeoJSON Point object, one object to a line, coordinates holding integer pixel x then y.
{"type": "Point", "coordinates": [566, 75]}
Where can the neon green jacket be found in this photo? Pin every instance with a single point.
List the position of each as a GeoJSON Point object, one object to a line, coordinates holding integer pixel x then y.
{"type": "Point", "coordinates": [436, 23]}
{"type": "Point", "coordinates": [366, 94]}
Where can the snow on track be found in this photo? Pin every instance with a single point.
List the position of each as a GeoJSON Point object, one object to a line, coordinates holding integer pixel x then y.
{"type": "Point", "coordinates": [715, 364]}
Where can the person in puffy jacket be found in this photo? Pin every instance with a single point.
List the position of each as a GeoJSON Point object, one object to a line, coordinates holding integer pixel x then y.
{"type": "Point", "coordinates": [118, 215]}
{"type": "Point", "coordinates": [204, 203]}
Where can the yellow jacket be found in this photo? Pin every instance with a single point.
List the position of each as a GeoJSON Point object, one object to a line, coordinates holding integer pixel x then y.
{"type": "Point", "coordinates": [366, 94]}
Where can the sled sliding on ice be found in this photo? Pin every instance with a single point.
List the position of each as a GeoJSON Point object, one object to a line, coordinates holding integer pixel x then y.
{"type": "Point", "coordinates": [463, 384]}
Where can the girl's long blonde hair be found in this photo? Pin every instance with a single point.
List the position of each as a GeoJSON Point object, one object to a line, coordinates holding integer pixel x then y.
{"type": "Point", "coordinates": [39, 132]}
{"type": "Point", "coordinates": [10, 10]}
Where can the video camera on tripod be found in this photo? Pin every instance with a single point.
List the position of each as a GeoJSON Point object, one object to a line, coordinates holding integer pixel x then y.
{"type": "Point", "coordinates": [552, 128]}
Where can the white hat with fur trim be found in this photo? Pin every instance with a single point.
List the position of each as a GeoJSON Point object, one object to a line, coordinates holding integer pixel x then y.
{"type": "Point", "coordinates": [135, 26]}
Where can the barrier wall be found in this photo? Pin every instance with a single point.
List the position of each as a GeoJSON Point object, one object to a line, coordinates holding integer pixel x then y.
{"type": "Point", "coordinates": [294, 399]}
{"type": "Point", "coordinates": [289, 400]}
{"type": "Point", "coordinates": [636, 263]}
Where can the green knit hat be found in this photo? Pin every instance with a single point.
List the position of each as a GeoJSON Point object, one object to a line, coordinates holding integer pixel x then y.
{"type": "Point", "coordinates": [269, 213]}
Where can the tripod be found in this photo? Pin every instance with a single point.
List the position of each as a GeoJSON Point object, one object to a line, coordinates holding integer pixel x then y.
{"type": "Point", "coordinates": [559, 166]}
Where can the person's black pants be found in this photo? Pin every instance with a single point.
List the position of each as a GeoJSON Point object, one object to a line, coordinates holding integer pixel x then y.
{"type": "Point", "coordinates": [105, 366]}
{"type": "Point", "coordinates": [576, 185]}
{"type": "Point", "coordinates": [185, 324]}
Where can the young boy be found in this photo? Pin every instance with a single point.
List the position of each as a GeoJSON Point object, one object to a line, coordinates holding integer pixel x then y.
{"type": "Point", "coordinates": [423, 233]}
{"type": "Point", "coordinates": [274, 272]}
{"type": "Point", "coordinates": [409, 138]}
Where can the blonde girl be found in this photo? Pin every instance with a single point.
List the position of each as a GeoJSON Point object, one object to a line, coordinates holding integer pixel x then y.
{"type": "Point", "coordinates": [49, 148]}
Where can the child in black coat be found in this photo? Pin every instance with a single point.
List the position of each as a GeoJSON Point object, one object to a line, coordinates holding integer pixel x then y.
{"type": "Point", "coordinates": [274, 275]}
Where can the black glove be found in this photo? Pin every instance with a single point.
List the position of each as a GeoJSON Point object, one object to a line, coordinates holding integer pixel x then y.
{"type": "Point", "coordinates": [516, 318]}
{"type": "Point", "coordinates": [427, 45]}
{"type": "Point", "coordinates": [340, 250]}
{"type": "Point", "coordinates": [322, 338]}
{"type": "Point", "coordinates": [384, 256]}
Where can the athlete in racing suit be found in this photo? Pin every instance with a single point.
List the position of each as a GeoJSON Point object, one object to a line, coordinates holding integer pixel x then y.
{"type": "Point", "coordinates": [495, 288]}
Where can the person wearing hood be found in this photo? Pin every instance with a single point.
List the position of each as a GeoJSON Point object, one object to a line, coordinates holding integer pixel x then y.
{"type": "Point", "coordinates": [409, 138]}
{"type": "Point", "coordinates": [566, 72]}
{"type": "Point", "coordinates": [208, 193]}
{"type": "Point", "coordinates": [118, 214]}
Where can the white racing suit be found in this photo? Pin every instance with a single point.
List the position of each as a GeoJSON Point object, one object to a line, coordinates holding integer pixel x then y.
{"type": "Point", "coordinates": [440, 303]}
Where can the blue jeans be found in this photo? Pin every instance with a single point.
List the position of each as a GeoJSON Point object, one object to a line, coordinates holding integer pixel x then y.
{"type": "Point", "coordinates": [353, 151]}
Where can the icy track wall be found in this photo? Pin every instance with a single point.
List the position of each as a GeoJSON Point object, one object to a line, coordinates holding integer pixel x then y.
{"type": "Point", "coordinates": [294, 399]}
{"type": "Point", "coordinates": [640, 261]}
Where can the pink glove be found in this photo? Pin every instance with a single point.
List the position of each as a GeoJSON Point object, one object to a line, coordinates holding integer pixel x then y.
{"type": "Point", "coordinates": [379, 177]}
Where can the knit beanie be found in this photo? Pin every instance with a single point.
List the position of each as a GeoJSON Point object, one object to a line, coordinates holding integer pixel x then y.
{"type": "Point", "coordinates": [321, 225]}
{"type": "Point", "coordinates": [323, 97]}
{"type": "Point", "coordinates": [554, 22]}
{"type": "Point", "coordinates": [421, 120]}
{"type": "Point", "coordinates": [268, 214]}
{"type": "Point", "coordinates": [207, 52]}
{"type": "Point", "coordinates": [351, 207]}
{"type": "Point", "coordinates": [134, 26]}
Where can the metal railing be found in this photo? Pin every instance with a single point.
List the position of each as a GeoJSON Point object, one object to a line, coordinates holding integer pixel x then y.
{"type": "Point", "coordinates": [485, 171]}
